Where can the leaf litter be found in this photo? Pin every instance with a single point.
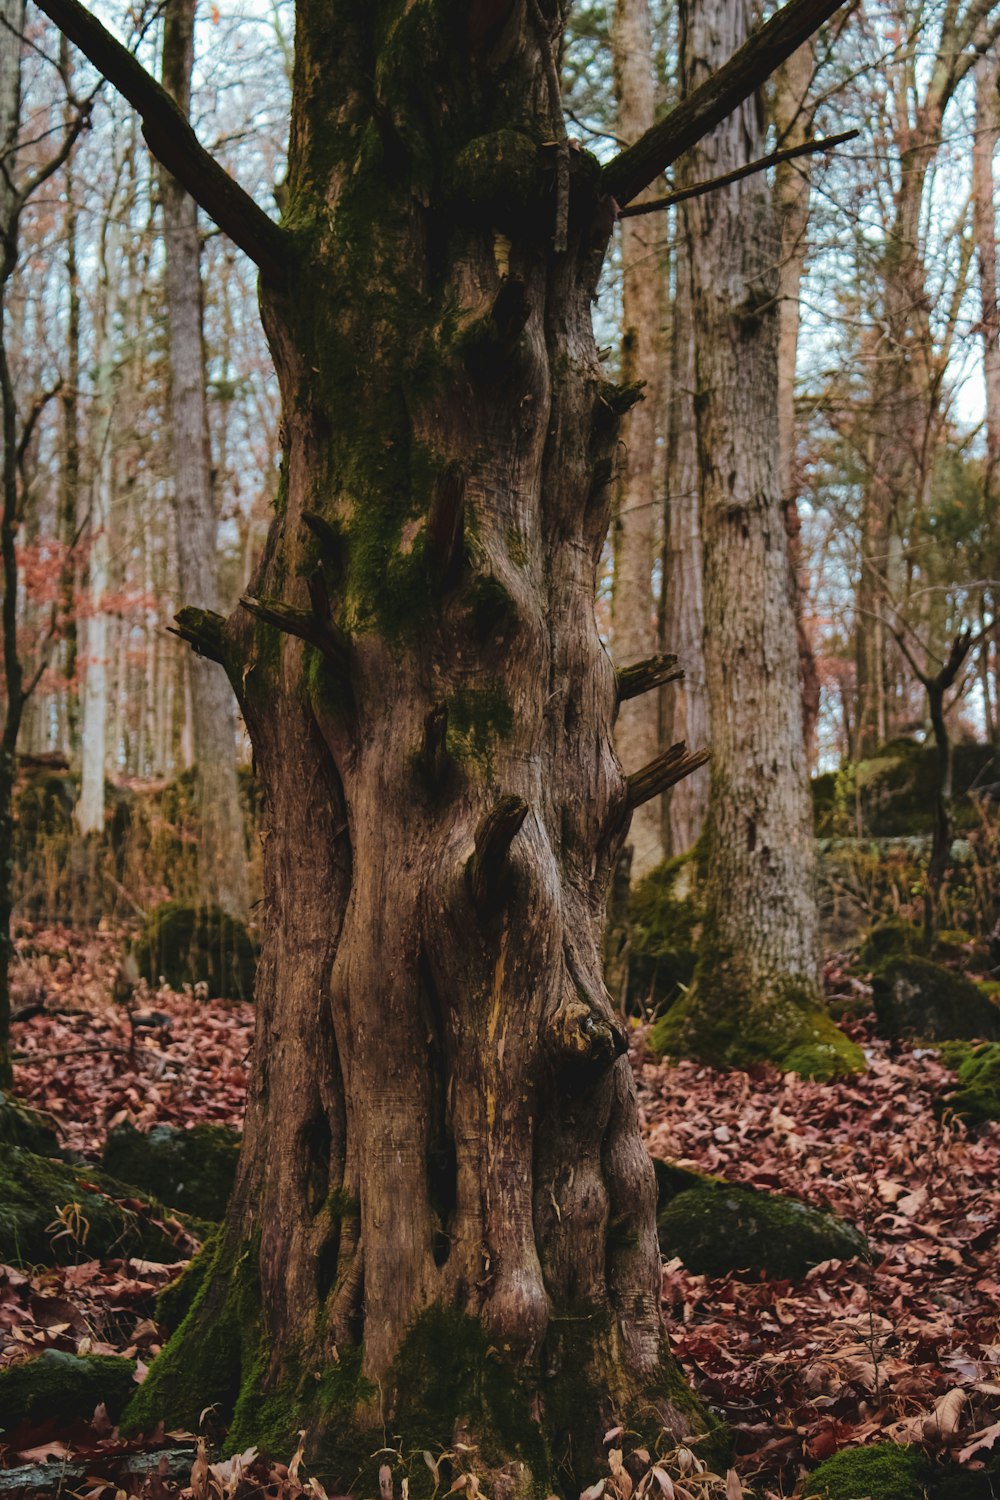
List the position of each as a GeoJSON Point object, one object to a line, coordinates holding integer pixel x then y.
{"type": "Point", "coordinates": [901, 1346]}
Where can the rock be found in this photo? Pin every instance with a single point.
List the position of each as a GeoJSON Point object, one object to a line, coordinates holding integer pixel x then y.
{"type": "Point", "coordinates": [914, 997]}
{"type": "Point", "coordinates": [893, 791]}
{"type": "Point", "coordinates": [104, 1216]}
{"type": "Point", "coordinates": [22, 1126]}
{"type": "Point", "coordinates": [191, 1169]}
{"type": "Point", "coordinates": [886, 1471]}
{"type": "Point", "coordinates": [186, 944]}
{"type": "Point", "coordinates": [719, 1229]}
{"type": "Point", "coordinates": [63, 1387]}
{"type": "Point", "coordinates": [977, 1097]}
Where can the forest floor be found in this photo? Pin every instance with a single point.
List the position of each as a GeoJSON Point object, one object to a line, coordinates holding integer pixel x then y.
{"type": "Point", "coordinates": [903, 1347]}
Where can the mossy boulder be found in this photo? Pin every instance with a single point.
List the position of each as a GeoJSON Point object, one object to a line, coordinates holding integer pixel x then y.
{"type": "Point", "coordinates": [914, 997]}
{"type": "Point", "coordinates": [977, 1097]}
{"type": "Point", "coordinates": [891, 794]}
{"type": "Point", "coordinates": [183, 943]}
{"type": "Point", "coordinates": [22, 1126]}
{"type": "Point", "coordinates": [720, 1229]}
{"type": "Point", "coordinates": [886, 1471]}
{"type": "Point", "coordinates": [191, 1169]}
{"type": "Point", "coordinates": [792, 1031]}
{"type": "Point", "coordinates": [893, 937]}
{"type": "Point", "coordinates": [41, 1198]}
{"type": "Point", "coordinates": [63, 1387]}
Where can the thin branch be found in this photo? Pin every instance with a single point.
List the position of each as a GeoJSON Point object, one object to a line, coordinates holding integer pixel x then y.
{"type": "Point", "coordinates": [172, 140]}
{"type": "Point", "coordinates": [709, 104]}
{"type": "Point", "coordinates": [697, 189]}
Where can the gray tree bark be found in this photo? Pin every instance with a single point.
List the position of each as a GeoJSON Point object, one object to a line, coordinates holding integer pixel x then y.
{"type": "Point", "coordinates": [756, 989]}
{"type": "Point", "coordinates": [222, 854]}
{"type": "Point", "coordinates": [637, 733]}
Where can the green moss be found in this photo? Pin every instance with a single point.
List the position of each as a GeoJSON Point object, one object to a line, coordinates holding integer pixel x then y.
{"type": "Point", "coordinates": [661, 931]}
{"type": "Point", "coordinates": [35, 1191]}
{"type": "Point", "coordinates": [191, 1169]}
{"type": "Point", "coordinates": [882, 1472]}
{"type": "Point", "coordinates": [203, 1362]}
{"type": "Point", "coordinates": [499, 172]}
{"type": "Point", "coordinates": [978, 1094]}
{"type": "Point", "coordinates": [914, 997]}
{"type": "Point", "coordinates": [720, 1229]}
{"type": "Point", "coordinates": [175, 1300]}
{"type": "Point", "coordinates": [786, 1028]}
{"type": "Point", "coordinates": [63, 1387]}
{"type": "Point", "coordinates": [891, 795]}
{"type": "Point", "coordinates": [893, 937]}
{"type": "Point", "coordinates": [20, 1125]}
{"type": "Point", "coordinates": [185, 943]}
{"type": "Point", "coordinates": [478, 719]}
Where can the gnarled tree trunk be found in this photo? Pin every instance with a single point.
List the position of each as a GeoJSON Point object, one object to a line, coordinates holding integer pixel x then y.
{"type": "Point", "coordinates": [442, 1140]}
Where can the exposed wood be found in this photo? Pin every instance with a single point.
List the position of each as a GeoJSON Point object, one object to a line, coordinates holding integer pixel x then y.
{"type": "Point", "coordinates": [644, 676]}
{"type": "Point", "coordinates": [202, 629]}
{"type": "Point", "coordinates": [663, 772]}
{"type": "Point", "coordinates": [708, 105]}
{"type": "Point", "coordinates": [487, 867]}
{"type": "Point", "coordinates": [173, 142]}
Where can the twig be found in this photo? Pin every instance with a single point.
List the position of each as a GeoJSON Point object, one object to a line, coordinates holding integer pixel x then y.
{"type": "Point", "coordinates": [697, 189]}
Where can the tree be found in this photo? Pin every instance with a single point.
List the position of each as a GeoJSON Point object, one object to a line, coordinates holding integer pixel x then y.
{"type": "Point", "coordinates": [222, 866]}
{"type": "Point", "coordinates": [443, 1210]}
{"type": "Point", "coordinates": [637, 733]}
{"type": "Point", "coordinates": [755, 993]}
{"type": "Point", "coordinates": [19, 681]}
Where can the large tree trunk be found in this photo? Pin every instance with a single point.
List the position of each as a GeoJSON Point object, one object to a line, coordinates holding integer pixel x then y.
{"type": "Point", "coordinates": [222, 853]}
{"type": "Point", "coordinates": [755, 994]}
{"type": "Point", "coordinates": [637, 734]}
{"type": "Point", "coordinates": [443, 1225]}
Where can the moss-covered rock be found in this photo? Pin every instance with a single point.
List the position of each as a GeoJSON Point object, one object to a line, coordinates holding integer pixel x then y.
{"type": "Point", "coordinates": [882, 1472]}
{"type": "Point", "coordinates": [888, 1472]}
{"type": "Point", "coordinates": [190, 1169]}
{"type": "Point", "coordinates": [977, 1097]}
{"type": "Point", "coordinates": [891, 795]}
{"type": "Point", "coordinates": [184, 943]}
{"type": "Point", "coordinates": [789, 1030]}
{"type": "Point", "coordinates": [719, 1229]}
{"type": "Point", "coordinates": [64, 1387]}
{"type": "Point", "coordinates": [893, 937]}
{"type": "Point", "coordinates": [52, 1213]}
{"type": "Point", "coordinates": [22, 1126]}
{"type": "Point", "coordinates": [917, 998]}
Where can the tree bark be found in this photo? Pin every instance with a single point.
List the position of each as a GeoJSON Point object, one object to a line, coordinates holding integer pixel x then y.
{"type": "Point", "coordinates": [793, 118]}
{"type": "Point", "coordinates": [444, 1209]}
{"type": "Point", "coordinates": [637, 733]}
{"type": "Point", "coordinates": [686, 702]}
{"type": "Point", "coordinates": [756, 993]}
{"type": "Point", "coordinates": [984, 228]}
{"type": "Point", "coordinates": [222, 854]}
{"type": "Point", "coordinates": [12, 25]}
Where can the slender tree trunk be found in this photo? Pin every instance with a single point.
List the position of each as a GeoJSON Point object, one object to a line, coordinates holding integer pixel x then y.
{"type": "Point", "coordinates": [637, 733]}
{"type": "Point", "coordinates": [69, 494]}
{"type": "Point", "coordinates": [756, 993]}
{"type": "Point", "coordinates": [97, 639]}
{"type": "Point", "coordinates": [685, 702]}
{"type": "Point", "coordinates": [984, 227]}
{"type": "Point", "coordinates": [793, 118]}
{"type": "Point", "coordinates": [222, 854]}
{"type": "Point", "coordinates": [12, 26]}
{"type": "Point", "coordinates": [444, 1207]}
